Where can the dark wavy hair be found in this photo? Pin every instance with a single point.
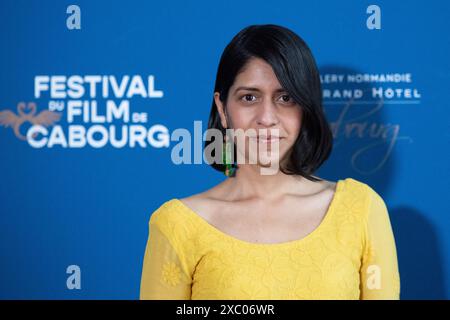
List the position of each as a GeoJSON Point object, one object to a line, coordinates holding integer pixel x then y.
{"type": "Point", "coordinates": [297, 72]}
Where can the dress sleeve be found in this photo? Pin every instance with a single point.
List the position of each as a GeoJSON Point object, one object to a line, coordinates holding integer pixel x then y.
{"type": "Point", "coordinates": [380, 279]}
{"type": "Point", "coordinates": [163, 276]}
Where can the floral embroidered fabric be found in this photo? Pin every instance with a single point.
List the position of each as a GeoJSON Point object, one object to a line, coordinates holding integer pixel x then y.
{"type": "Point", "coordinates": [350, 255]}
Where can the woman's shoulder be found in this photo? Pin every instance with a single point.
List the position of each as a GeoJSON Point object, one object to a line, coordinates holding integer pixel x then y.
{"type": "Point", "coordinates": [361, 188]}
{"type": "Point", "coordinates": [170, 214]}
{"type": "Point", "coordinates": [359, 196]}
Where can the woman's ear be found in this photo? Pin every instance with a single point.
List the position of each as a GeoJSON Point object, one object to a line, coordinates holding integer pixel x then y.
{"type": "Point", "coordinates": [220, 110]}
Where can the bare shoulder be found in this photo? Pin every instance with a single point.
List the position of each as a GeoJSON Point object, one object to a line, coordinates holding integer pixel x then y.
{"type": "Point", "coordinates": [195, 201]}
{"type": "Point", "coordinates": [322, 192]}
{"type": "Point", "coordinates": [203, 203]}
{"type": "Point", "coordinates": [321, 187]}
{"type": "Point", "coordinates": [329, 184]}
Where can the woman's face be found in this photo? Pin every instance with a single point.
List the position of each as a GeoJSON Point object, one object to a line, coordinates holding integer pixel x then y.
{"type": "Point", "coordinates": [257, 101]}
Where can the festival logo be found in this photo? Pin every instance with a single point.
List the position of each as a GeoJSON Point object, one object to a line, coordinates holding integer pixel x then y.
{"type": "Point", "coordinates": [90, 110]}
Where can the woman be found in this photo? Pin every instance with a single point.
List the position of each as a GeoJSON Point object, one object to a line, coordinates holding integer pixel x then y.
{"type": "Point", "coordinates": [287, 235]}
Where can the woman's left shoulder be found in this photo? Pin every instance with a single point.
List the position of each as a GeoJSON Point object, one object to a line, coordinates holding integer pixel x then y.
{"type": "Point", "coordinates": [362, 192]}
{"type": "Point", "coordinates": [357, 186]}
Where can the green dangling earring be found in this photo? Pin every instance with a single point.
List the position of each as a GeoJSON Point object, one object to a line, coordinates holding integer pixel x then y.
{"type": "Point", "coordinates": [230, 168]}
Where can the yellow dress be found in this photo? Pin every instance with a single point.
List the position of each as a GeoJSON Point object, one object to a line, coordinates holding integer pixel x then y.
{"type": "Point", "coordinates": [350, 255]}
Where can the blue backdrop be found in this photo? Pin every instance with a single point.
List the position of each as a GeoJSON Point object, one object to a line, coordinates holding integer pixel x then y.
{"type": "Point", "coordinates": [88, 204]}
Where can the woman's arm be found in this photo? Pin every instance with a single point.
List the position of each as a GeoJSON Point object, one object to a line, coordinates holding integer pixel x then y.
{"type": "Point", "coordinates": [163, 277]}
{"type": "Point", "coordinates": [379, 273]}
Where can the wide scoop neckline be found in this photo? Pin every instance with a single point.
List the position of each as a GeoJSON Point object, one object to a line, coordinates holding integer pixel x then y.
{"type": "Point", "coordinates": [331, 208]}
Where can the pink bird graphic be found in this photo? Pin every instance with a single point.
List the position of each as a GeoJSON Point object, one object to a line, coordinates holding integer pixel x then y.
{"type": "Point", "coordinates": [45, 118]}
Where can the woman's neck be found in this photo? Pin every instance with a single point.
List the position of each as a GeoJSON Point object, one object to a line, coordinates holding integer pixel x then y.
{"type": "Point", "coordinates": [249, 183]}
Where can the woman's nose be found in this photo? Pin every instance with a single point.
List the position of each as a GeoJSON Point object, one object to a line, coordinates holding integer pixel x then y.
{"type": "Point", "coordinates": [267, 114]}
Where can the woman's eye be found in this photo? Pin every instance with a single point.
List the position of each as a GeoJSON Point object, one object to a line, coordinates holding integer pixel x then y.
{"type": "Point", "coordinates": [287, 99]}
{"type": "Point", "coordinates": [248, 98]}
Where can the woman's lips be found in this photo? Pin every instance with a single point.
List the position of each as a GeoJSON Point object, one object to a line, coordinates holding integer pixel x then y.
{"type": "Point", "coordinates": [268, 139]}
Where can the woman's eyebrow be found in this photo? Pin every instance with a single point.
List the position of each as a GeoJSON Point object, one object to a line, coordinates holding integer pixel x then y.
{"type": "Point", "coordinates": [256, 89]}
